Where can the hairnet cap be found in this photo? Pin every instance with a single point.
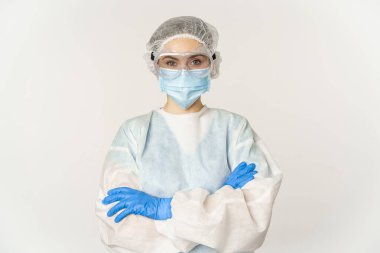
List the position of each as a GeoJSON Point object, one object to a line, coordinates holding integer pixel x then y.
{"type": "Point", "coordinates": [184, 27]}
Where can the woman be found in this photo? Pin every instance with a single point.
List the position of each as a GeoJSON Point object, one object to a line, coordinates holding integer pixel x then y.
{"type": "Point", "coordinates": [185, 177]}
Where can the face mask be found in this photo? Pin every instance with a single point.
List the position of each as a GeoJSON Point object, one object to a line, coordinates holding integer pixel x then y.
{"type": "Point", "coordinates": [185, 88]}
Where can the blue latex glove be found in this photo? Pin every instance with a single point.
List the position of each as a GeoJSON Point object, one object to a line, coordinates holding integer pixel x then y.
{"type": "Point", "coordinates": [137, 202]}
{"type": "Point", "coordinates": [241, 175]}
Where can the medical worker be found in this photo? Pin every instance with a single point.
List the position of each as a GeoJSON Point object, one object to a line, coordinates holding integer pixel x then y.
{"type": "Point", "coordinates": [186, 177]}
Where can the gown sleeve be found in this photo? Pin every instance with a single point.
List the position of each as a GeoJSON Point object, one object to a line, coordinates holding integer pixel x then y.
{"type": "Point", "coordinates": [229, 220]}
{"type": "Point", "coordinates": [135, 233]}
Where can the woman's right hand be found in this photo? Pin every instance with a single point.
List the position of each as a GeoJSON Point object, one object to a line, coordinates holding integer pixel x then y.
{"type": "Point", "coordinates": [241, 175]}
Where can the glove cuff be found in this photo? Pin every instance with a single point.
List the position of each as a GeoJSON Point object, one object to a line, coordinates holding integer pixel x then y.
{"type": "Point", "coordinates": [164, 210]}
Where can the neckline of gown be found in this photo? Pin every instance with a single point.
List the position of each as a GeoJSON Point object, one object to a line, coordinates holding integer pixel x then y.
{"type": "Point", "coordinates": [181, 115]}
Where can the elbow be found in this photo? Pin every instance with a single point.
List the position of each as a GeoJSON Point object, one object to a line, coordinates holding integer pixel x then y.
{"type": "Point", "coordinates": [243, 241]}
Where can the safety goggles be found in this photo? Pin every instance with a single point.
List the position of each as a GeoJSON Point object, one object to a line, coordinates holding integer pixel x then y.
{"type": "Point", "coordinates": [171, 64]}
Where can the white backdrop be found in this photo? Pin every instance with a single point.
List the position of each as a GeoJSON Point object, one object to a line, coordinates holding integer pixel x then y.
{"type": "Point", "coordinates": [305, 73]}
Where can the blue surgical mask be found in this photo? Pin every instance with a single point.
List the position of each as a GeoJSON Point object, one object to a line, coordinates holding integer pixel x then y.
{"type": "Point", "coordinates": [184, 88]}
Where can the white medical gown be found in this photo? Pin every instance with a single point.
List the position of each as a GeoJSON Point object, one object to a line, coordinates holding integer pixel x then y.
{"type": "Point", "coordinates": [188, 157]}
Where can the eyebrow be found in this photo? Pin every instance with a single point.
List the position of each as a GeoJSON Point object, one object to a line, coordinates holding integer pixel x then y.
{"type": "Point", "coordinates": [168, 56]}
{"type": "Point", "coordinates": [171, 57]}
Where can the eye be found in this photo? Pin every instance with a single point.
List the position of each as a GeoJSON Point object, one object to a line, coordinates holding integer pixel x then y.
{"type": "Point", "coordinates": [196, 62]}
{"type": "Point", "coordinates": [170, 63]}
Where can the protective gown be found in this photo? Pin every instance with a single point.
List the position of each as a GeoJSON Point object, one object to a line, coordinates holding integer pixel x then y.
{"type": "Point", "coordinates": [188, 157]}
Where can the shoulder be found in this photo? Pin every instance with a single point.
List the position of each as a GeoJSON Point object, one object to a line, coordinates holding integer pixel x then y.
{"type": "Point", "coordinates": [234, 119]}
{"type": "Point", "coordinates": [134, 124]}
{"type": "Point", "coordinates": [238, 124]}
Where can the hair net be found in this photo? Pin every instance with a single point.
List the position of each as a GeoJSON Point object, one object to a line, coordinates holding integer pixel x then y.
{"type": "Point", "coordinates": [184, 27]}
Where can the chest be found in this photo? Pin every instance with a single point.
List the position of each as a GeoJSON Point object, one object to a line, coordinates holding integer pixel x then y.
{"type": "Point", "coordinates": [192, 155]}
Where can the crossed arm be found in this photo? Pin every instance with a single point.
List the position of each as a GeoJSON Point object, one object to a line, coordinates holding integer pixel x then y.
{"type": "Point", "coordinates": [232, 219]}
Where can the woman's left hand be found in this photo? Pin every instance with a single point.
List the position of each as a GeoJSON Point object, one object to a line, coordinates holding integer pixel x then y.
{"type": "Point", "coordinates": [241, 175]}
{"type": "Point", "coordinates": [137, 202]}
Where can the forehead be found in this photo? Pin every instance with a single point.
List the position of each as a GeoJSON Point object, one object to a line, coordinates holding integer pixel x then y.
{"type": "Point", "coordinates": [182, 45]}
{"type": "Point", "coordinates": [185, 56]}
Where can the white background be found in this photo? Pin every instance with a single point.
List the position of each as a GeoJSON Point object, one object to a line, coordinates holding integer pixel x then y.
{"type": "Point", "coordinates": [305, 73]}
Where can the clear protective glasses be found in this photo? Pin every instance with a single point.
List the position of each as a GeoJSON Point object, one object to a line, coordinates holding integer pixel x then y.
{"type": "Point", "coordinates": [170, 65]}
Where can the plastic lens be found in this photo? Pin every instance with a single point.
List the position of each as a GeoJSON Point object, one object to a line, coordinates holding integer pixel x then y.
{"type": "Point", "coordinates": [185, 61]}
